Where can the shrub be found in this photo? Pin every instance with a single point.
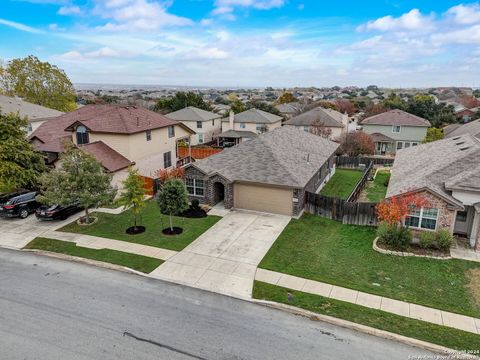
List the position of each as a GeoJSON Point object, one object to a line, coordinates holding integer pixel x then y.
{"type": "Point", "coordinates": [443, 239]}
{"type": "Point", "coordinates": [427, 239]}
{"type": "Point", "coordinates": [398, 237]}
{"type": "Point", "coordinates": [195, 204]}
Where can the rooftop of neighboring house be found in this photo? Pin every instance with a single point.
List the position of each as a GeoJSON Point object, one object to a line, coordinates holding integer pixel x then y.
{"type": "Point", "coordinates": [439, 166]}
{"type": "Point", "coordinates": [326, 117]}
{"type": "Point", "coordinates": [396, 117]}
{"type": "Point", "coordinates": [473, 128]}
{"type": "Point", "coordinates": [191, 113]}
{"type": "Point", "coordinates": [378, 137]}
{"type": "Point", "coordinates": [255, 116]}
{"type": "Point", "coordinates": [449, 128]}
{"type": "Point", "coordinates": [237, 134]}
{"type": "Point", "coordinates": [108, 157]}
{"type": "Point", "coordinates": [112, 119]}
{"type": "Point", "coordinates": [288, 108]}
{"type": "Point", "coordinates": [285, 156]}
{"type": "Point", "coordinates": [32, 111]}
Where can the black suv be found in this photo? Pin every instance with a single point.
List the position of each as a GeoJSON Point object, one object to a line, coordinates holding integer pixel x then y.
{"type": "Point", "coordinates": [4, 197]}
{"type": "Point", "coordinates": [20, 206]}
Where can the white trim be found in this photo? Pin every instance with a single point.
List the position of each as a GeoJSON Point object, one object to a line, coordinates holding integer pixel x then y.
{"type": "Point", "coordinates": [194, 186]}
{"type": "Point", "coordinates": [420, 218]}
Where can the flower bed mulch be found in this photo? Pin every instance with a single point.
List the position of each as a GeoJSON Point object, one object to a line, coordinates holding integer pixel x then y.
{"type": "Point", "coordinates": [194, 213]}
{"type": "Point", "coordinates": [134, 230]}
{"type": "Point", "coordinates": [415, 249]}
{"type": "Point", "coordinates": [176, 231]}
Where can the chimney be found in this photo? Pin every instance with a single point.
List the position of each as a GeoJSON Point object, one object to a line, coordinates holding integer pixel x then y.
{"type": "Point", "coordinates": [231, 117]}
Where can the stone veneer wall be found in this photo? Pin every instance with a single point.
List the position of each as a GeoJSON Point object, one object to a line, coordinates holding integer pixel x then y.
{"type": "Point", "coordinates": [446, 215]}
{"type": "Point", "coordinates": [209, 183]}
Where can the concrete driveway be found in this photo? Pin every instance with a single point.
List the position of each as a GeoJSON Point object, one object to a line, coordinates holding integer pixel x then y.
{"type": "Point", "coordinates": [224, 259]}
{"type": "Point", "coordinates": [16, 233]}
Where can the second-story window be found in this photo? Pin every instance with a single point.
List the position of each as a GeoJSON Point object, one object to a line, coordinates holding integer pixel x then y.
{"type": "Point", "coordinates": [171, 131]}
{"type": "Point", "coordinates": [396, 129]}
{"type": "Point", "coordinates": [199, 125]}
{"type": "Point", "coordinates": [242, 125]}
{"type": "Point", "coordinates": [148, 134]}
{"type": "Point", "coordinates": [167, 159]}
{"type": "Point", "coordinates": [213, 122]}
{"type": "Point", "coordinates": [82, 135]}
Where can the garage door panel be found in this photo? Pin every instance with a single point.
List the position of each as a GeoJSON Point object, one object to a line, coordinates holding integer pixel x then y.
{"type": "Point", "coordinates": [263, 198]}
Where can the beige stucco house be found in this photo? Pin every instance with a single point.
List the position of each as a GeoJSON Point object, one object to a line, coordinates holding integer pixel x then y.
{"type": "Point", "coordinates": [206, 124]}
{"type": "Point", "coordinates": [447, 174]}
{"type": "Point", "coordinates": [327, 121]}
{"type": "Point", "coordinates": [118, 136]}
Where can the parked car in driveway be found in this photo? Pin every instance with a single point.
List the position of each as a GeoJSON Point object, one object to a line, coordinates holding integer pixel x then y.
{"type": "Point", "coordinates": [20, 206]}
{"type": "Point", "coordinates": [56, 212]}
{"type": "Point", "coordinates": [4, 197]}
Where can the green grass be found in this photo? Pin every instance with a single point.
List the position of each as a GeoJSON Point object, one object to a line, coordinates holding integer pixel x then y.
{"type": "Point", "coordinates": [437, 334]}
{"type": "Point", "coordinates": [325, 250]}
{"type": "Point", "coordinates": [377, 190]}
{"type": "Point", "coordinates": [137, 262]}
{"type": "Point", "coordinates": [114, 226]}
{"type": "Point", "coordinates": [342, 183]}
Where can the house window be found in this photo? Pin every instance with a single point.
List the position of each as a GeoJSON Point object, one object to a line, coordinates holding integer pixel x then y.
{"type": "Point", "coordinates": [396, 129]}
{"type": "Point", "coordinates": [414, 143]}
{"type": "Point", "coordinates": [407, 145]}
{"type": "Point", "coordinates": [213, 122]}
{"type": "Point", "coordinates": [171, 131]}
{"type": "Point", "coordinates": [424, 218]}
{"type": "Point", "coordinates": [148, 134]}
{"type": "Point", "coordinates": [82, 135]}
{"type": "Point", "coordinates": [30, 128]}
{"type": "Point", "coordinates": [305, 128]}
{"type": "Point", "coordinates": [199, 124]}
{"type": "Point", "coordinates": [242, 125]}
{"type": "Point", "coordinates": [167, 159]}
{"type": "Point", "coordinates": [195, 187]}
{"type": "Point", "coordinates": [261, 128]}
{"type": "Point", "coordinates": [399, 145]}
{"type": "Point", "coordinates": [200, 138]}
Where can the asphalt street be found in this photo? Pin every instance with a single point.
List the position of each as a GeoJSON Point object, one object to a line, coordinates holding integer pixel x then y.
{"type": "Point", "coordinates": [54, 309]}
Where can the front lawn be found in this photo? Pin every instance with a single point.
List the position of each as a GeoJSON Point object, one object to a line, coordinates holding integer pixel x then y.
{"type": "Point", "coordinates": [342, 183]}
{"type": "Point", "coordinates": [437, 334]}
{"type": "Point", "coordinates": [137, 262]}
{"type": "Point", "coordinates": [377, 189]}
{"type": "Point", "coordinates": [325, 250]}
{"type": "Point", "coordinates": [113, 227]}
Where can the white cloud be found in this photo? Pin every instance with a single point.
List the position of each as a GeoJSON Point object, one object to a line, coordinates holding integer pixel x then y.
{"type": "Point", "coordinates": [20, 26]}
{"type": "Point", "coordinates": [104, 52]}
{"type": "Point", "coordinates": [69, 10]}
{"type": "Point", "coordinates": [413, 20]}
{"type": "Point", "coordinates": [465, 14]}
{"type": "Point", "coordinates": [55, 27]}
{"type": "Point", "coordinates": [224, 7]}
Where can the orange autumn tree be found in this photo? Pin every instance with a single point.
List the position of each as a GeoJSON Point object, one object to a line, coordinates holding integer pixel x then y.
{"type": "Point", "coordinates": [167, 174]}
{"type": "Point", "coordinates": [393, 210]}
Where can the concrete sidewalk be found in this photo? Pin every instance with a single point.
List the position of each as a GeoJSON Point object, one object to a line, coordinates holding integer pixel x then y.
{"type": "Point", "coordinates": [402, 308]}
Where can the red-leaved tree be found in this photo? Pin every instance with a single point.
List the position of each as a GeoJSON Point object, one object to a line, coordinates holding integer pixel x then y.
{"type": "Point", "coordinates": [393, 210]}
{"type": "Point", "coordinates": [357, 143]}
{"type": "Point", "coordinates": [345, 106]}
{"type": "Point", "coordinates": [167, 174]}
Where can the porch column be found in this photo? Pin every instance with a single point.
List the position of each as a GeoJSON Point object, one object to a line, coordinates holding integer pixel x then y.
{"type": "Point", "coordinates": [475, 233]}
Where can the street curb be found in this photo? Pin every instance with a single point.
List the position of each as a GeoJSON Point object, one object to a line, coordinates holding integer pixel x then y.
{"type": "Point", "coordinates": [453, 354]}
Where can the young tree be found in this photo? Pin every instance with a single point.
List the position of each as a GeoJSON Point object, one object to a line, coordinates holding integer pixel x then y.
{"type": "Point", "coordinates": [181, 100]}
{"type": "Point", "coordinates": [433, 134]}
{"type": "Point", "coordinates": [167, 174]}
{"type": "Point", "coordinates": [319, 128]}
{"type": "Point", "coordinates": [133, 194]}
{"type": "Point", "coordinates": [39, 83]}
{"type": "Point", "coordinates": [20, 164]}
{"type": "Point", "coordinates": [172, 198]}
{"type": "Point", "coordinates": [79, 178]}
{"type": "Point", "coordinates": [357, 143]}
{"type": "Point", "coordinates": [286, 97]}
{"type": "Point", "coordinates": [393, 210]}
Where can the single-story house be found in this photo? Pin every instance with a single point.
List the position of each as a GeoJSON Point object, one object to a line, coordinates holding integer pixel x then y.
{"type": "Point", "coordinates": [36, 114]}
{"type": "Point", "coordinates": [205, 123]}
{"type": "Point", "coordinates": [117, 136]}
{"type": "Point", "coordinates": [330, 120]}
{"type": "Point", "coordinates": [472, 128]}
{"type": "Point", "coordinates": [395, 130]}
{"type": "Point", "coordinates": [447, 174]}
{"type": "Point", "coordinates": [269, 173]}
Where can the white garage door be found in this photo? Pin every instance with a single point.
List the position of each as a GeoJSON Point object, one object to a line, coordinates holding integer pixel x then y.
{"type": "Point", "coordinates": [263, 198]}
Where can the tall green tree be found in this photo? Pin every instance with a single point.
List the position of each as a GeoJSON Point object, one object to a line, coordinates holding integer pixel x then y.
{"type": "Point", "coordinates": [262, 105]}
{"type": "Point", "coordinates": [393, 101]}
{"type": "Point", "coordinates": [172, 198]}
{"type": "Point", "coordinates": [38, 82]}
{"type": "Point", "coordinates": [133, 194]}
{"type": "Point", "coordinates": [424, 105]}
{"type": "Point", "coordinates": [237, 106]}
{"type": "Point", "coordinates": [286, 97]}
{"type": "Point", "coordinates": [180, 100]}
{"type": "Point", "coordinates": [20, 164]}
{"type": "Point", "coordinates": [433, 134]}
{"type": "Point", "coordinates": [79, 178]}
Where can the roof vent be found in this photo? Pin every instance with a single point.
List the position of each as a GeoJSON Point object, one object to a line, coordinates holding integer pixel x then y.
{"type": "Point", "coordinates": [464, 148]}
{"type": "Point", "coordinates": [456, 138]}
{"type": "Point", "coordinates": [460, 143]}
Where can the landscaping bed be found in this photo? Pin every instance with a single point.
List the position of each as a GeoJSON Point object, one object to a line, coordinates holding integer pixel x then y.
{"type": "Point", "coordinates": [342, 183]}
{"type": "Point", "coordinates": [436, 334]}
{"type": "Point", "coordinates": [320, 249]}
{"type": "Point", "coordinates": [113, 226]}
{"type": "Point", "coordinates": [144, 264]}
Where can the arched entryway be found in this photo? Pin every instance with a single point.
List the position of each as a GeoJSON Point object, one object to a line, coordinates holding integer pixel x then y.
{"type": "Point", "coordinates": [218, 192]}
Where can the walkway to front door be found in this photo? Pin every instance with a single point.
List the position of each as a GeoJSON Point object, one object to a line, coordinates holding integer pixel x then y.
{"type": "Point", "coordinates": [224, 259]}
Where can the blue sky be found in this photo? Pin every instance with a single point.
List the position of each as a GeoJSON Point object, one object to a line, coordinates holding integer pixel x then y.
{"type": "Point", "coordinates": [249, 42]}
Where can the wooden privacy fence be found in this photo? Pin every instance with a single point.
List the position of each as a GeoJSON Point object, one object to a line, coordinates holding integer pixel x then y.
{"type": "Point", "coordinates": [348, 212]}
{"type": "Point", "coordinates": [356, 162]}
{"type": "Point", "coordinates": [198, 153]}
{"type": "Point", "coordinates": [355, 194]}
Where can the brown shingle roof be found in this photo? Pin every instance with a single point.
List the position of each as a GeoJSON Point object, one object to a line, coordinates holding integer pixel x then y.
{"type": "Point", "coordinates": [378, 137]}
{"type": "Point", "coordinates": [110, 159]}
{"type": "Point", "coordinates": [327, 117]}
{"type": "Point", "coordinates": [396, 117]}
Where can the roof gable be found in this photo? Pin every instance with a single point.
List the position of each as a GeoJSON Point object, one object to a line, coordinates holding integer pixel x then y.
{"type": "Point", "coordinates": [255, 116]}
{"type": "Point", "coordinates": [326, 117]}
{"type": "Point", "coordinates": [396, 117]}
{"type": "Point", "coordinates": [191, 113]}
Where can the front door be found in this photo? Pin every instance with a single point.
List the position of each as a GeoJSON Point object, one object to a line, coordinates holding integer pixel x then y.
{"type": "Point", "coordinates": [461, 226]}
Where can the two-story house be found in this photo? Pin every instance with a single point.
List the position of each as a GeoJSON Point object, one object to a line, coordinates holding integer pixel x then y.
{"type": "Point", "coordinates": [395, 130]}
{"type": "Point", "coordinates": [246, 125]}
{"type": "Point", "coordinates": [117, 136]}
{"type": "Point", "coordinates": [206, 124]}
